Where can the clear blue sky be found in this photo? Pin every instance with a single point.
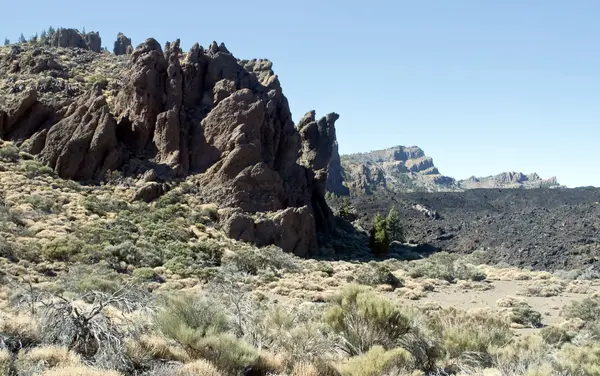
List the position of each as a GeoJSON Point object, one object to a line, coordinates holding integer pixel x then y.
{"type": "Point", "coordinates": [483, 86]}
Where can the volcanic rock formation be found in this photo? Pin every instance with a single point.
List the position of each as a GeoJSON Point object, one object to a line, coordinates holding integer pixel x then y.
{"type": "Point", "coordinates": [220, 122]}
{"type": "Point", "coordinates": [122, 45]}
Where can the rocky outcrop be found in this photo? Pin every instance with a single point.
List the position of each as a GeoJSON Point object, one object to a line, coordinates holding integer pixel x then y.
{"type": "Point", "coordinates": [335, 179]}
{"type": "Point", "coordinates": [83, 144]}
{"type": "Point", "coordinates": [204, 116]}
{"type": "Point", "coordinates": [401, 169]}
{"type": "Point", "coordinates": [122, 45]}
{"type": "Point", "coordinates": [509, 180]}
{"type": "Point", "coordinates": [72, 38]}
{"type": "Point", "coordinates": [408, 169]}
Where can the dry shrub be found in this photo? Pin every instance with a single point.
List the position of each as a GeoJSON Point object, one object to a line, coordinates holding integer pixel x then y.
{"type": "Point", "coordinates": [377, 361]}
{"type": "Point", "coordinates": [199, 367]}
{"type": "Point", "coordinates": [468, 336]}
{"type": "Point", "coordinates": [305, 369]}
{"type": "Point", "coordinates": [522, 355]}
{"type": "Point", "coordinates": [364, 320]}
{"type": "Point", "coordinates": [155, 347]}
{"type": "Point", "coordinates": [579, 287]}
{"type": "Point", "coordinates": [18, 331]}
{"type": "Point", "coordinates": [543, 288]}
{"type": "Point", "coordinates": [79, 370]}
{"type": "Point", "coordinates": [509, 302]}
{"type": "Point", "coordinates": [5, 362]}
{"type": "Point", "coordinates": [48, 356]}
{"type": "Point", "coordinates": [228, 353]}
{"type": "Point", "coordinates": [581, 361]}
{"type": "Point", "coordinates": [587, 310]}
{"type": "Point", "coordinates": [523, 314]}
{"type": "Point", "coordinates": [506, 274]}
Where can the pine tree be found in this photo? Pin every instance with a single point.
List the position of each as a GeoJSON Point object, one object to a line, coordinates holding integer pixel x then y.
{"type": "Point", "coordinates": [83, 32]}
{"type": "Point", "coordinates": [6, 41]}
{"type": "Point", "coordinates": [393, 226]}
{"type": "Point", "coordinates": [34, 38]}
{"type": "Point", "coordinates": [43, 36]}
{"type": "Point", "coordinates": [379, 240]}
{"type": "Point", "coordinates": [22, 38]}
{"type": "Point", "coordinates": [51, 31]}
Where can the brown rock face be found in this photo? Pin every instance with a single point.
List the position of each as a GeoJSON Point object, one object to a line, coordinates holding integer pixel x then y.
{"type": "Point", "coordinates": [206, 114]}
{"type": "Point", "coordinates": [122, 45]}
{"type": "Point", "coordinates": [74, 39]}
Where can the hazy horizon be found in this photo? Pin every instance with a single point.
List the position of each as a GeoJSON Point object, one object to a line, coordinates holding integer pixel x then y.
{"type": "Point", "coordinates": [481, 87]}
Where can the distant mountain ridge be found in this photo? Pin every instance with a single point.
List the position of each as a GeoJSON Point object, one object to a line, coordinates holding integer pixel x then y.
{"type": "Point", "coordinates": [408, 169]}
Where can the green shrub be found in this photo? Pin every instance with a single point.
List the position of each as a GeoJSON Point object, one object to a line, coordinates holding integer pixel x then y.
{"type": "Point", "coordinates": [42, 203]}
{"type": "Point", "coordinates": [377, 361]}
{"type": "Point", "coordinates": [186, 320]}
{"type": "Point", "coordinates": [34, 168]}
{"type": "Point", "coordinates": [61, 249]}
{"type": "Point", "coordinates": [554, 335]}
{"type": "Point", "coordinates": [374, 274]}
{"type": "Point", "coordinates": [446, 266]}
{"type": "Point", "coordinates": [9, 153]}
{"type": "Point", "coordinates": [82, 279]}
{"type": "Point", "coordinates": [144, 274]}
{"type": "Point", "coordinates": [580, 361]}
{"type": "Point", "coordinates": [364, 320]}
{"type": "Point", "coordinates": [5, 362]}
{"type": "Point", "coordinates": [523, 314]}
{"type": "Point", "coordinates": [225, 351]}
{"type": "Point", "coordinates": [464, 333]}
{"type": "Point", "coordinates": [252, 260]}
{"type": "Point", "coordinates": [101, 206]}
{"type": "Point", "coordinates": [587, 310]}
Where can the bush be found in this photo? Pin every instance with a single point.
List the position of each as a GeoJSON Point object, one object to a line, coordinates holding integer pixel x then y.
{"type": "Point", "coordinates": [188, 320]}
{"type": "Point", "coordinates": [145, 274]}
{"type": "Point", "coordinates": [374, 274]}
{"type": "Point", "coordinates": [61, 249]}
{"type": "Point", "coordinates": [580, 361]}
{"type": "Point", "coordinates": [525, 356]}
{"type": "Point", "coordinates": [199, 367]}
{"type": "Point", "coordinates": [251, 260]}
{"type": "Point", "coordinates": [523, 314]}
{"type": "Point", "coordinates": [9, 153]}
{"type": "Point", "coordinates": [554, 335]}
{"type": "Point", "coordinates": [225, 351]}
{"type": "Point", "coordinates": [146, 348]}
{"type": "Point", "coordinates": [79, 371]}
{"type": "Point", "coordinates": [101, 206]}
{"type": "Point", "coordinates": [543, 288]}
{"type": "Point", "coordinates": [445, 266]}
{"type": "Point", "coordinates": [587, 310]}
{"type": "Point", "coordinates": [83, 279]}
{"type": "Point", "coordinates": [377, 361]}
{"type": "Point", "coordinates": [465, 333]}
{"type": "Point", "coordinates": [5, 362]}
{"type": "Point", "coordinates": [364, 320]}
{"type": "Point", "coordinates": [17, 332]}
{"type": "Point", "coordinates": [44, 204]}
{"type": "Point", "coordinates": [33, 169]}
{"type": "Point", "coordinates": [39, 358]}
